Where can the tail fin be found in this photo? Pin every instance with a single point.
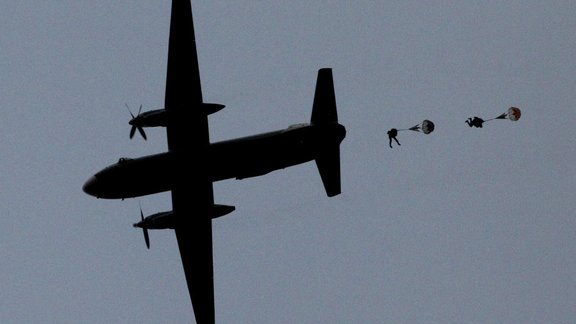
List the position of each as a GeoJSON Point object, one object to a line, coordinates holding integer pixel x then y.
{"type": "Point", "coordinates": [324, 112]}
{"type": "Point", "coordinates": [328, 164]}
{"type": "Point", "coordinates": [324, 107]}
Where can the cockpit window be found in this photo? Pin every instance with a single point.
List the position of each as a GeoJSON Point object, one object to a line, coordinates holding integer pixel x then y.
{"type": "Point", "coordinates": [123, 160]}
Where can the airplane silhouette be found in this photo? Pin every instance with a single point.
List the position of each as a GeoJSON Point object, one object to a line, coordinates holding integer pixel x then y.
{"type": "Point", "coordinates": [192, 163]}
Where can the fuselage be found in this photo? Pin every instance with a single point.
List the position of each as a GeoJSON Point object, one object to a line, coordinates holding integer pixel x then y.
{"type": "Point", "coordinates": [237, 158]}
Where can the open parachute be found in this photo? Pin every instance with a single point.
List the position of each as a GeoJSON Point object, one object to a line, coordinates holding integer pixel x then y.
{"type": "Point", "coordinates": [513, 114]}
{"type": "Point", "coordinates": [425, 127]}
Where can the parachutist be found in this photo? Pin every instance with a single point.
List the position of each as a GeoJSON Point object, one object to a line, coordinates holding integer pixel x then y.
{"type": "Point", "coordinates": [476, 122]}
{"type": "Point", "coordinates": [392, 136]}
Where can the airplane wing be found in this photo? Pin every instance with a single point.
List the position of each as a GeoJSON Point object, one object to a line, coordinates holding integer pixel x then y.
{"type": "Point", "coordinates": [187, 133]}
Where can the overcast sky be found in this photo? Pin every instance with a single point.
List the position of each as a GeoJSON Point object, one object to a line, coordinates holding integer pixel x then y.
{"type": "Point", "coordinates": [462, 225]}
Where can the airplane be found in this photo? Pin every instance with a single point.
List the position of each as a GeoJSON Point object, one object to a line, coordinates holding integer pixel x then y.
{"type": "Point", "coordinates": [192, 163]}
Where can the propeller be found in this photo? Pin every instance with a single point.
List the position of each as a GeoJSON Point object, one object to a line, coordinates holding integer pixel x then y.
{"type": "Point", "coordinates": [145, 230]}
{"type": "Point", "coordinates": [134, 122]}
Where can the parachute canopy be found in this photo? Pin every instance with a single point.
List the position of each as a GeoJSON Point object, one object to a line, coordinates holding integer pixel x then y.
{"type": "Point", "coordinates": [425, 127]}
{"type": "Point", "coordinates": [514, 113]}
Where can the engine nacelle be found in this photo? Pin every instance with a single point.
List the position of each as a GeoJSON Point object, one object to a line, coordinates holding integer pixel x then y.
{"type": "Point", "coordinates": [221, 210]}
{"type": "Point", "coordinates": [159, 117]}
{"type": "Point", "coordinates": [166, 220]}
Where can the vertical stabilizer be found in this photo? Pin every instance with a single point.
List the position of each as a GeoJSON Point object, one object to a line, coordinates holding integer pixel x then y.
{"type": "Point", "coordinates": [328, 164]}
{"type": "Point", "coordinates": [324, 107]}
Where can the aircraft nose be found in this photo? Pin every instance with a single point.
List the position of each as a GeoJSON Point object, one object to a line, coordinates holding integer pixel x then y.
{"type": "Point", "coordinates": [91, 186]}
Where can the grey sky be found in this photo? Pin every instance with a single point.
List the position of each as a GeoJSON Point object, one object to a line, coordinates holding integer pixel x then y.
{"type": "Point", "coordinates": [463, 225]}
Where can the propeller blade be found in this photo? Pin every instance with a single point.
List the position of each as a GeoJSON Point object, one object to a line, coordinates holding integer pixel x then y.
{"type": "Point", "coordinates": [146, 238]}
{"type": "Point", "coordinates": [132, 131]}
{"type": "Point", "coordinates": [141, 130]}
{"type": "Point", "coordinates": [145, 230]}
{"type": "Point", "coordinates": [131, 114]}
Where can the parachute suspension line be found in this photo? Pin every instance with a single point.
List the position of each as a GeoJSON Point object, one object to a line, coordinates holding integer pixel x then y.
{"type": "Point", "coordinates": [503, 116]}
{"type": "Point", "coordinates": [413, 128]}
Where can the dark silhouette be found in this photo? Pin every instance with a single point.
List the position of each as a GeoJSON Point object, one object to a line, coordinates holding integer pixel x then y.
{"type": "Point", "coordinates": [392, 136]}
{"type": "Point", "coordinates": [159, 118]}
{"type": "Point", "coordinates": [476, 122]}
{"type": "Point", "coordinates": [192, 163]}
